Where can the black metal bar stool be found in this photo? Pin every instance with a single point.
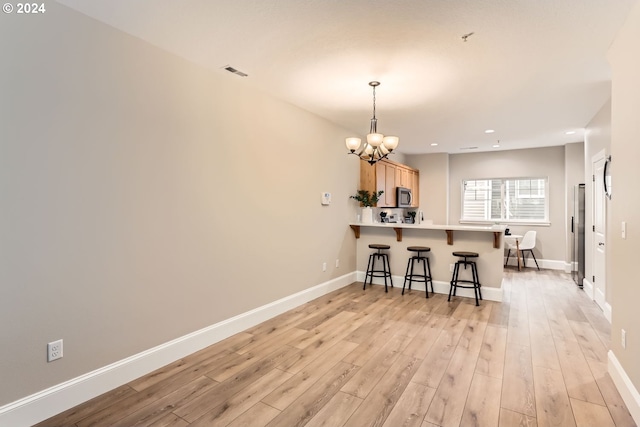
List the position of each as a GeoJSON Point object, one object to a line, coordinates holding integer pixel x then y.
{"type": "Point", "coordinates": [386, 269]}
{"type": "Point", "coordinates": [470, 284]}
{"type": "Point", "coordinates": [426, 268]}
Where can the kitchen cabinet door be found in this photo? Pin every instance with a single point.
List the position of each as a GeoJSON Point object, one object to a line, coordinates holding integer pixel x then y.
{"type": "Point", "coordinates": [390, 185]}
{"type": "Point", "coordinates": [402, 177]}
{"type": "Point", "coordinates": [415, 188]}
{"type": "Point", "coordinates": [385, 180]}
{"type": "Point", "coordinates": [380, 176]}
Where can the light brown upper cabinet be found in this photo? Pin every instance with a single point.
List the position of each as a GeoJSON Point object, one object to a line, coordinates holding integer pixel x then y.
{"type": "Point", "coordinates": [387, 175]}
{"type": "Point", "coordinates": [414, 175]}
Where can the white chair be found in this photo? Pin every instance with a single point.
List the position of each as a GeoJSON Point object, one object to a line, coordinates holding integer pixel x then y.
{"type": "Point", "coordinates": [527, 244]}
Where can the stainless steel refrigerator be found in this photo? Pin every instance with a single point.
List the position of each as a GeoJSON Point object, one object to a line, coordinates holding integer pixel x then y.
{"type": "Point", "coordinates": [577, 228]}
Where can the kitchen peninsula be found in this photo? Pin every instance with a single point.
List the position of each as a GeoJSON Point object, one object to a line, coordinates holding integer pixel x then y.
{"type": "Point", "coordinates": [487, 241]}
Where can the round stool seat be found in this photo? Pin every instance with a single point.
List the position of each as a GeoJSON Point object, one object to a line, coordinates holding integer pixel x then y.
{"type": "Point", "coordinates": [466, 254]}
{"type": "Point", "coordinates": [379, 246]}
{"type": "Point", "coordinates": [418, 249]}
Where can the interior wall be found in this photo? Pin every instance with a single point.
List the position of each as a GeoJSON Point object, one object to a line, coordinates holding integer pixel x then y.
{"type": "Point", "coordinates": [597, 139]}
{"type": "Point", "coordinates": [434, 185]}
{"type": "Point", "coordinates": [398, 157]}
{"type": "Point", "coordinates": [625, 201]}
{"type": "Point", "coordinates": [548, 162]}
{"type": "Point", "coordinates": [144, 198]}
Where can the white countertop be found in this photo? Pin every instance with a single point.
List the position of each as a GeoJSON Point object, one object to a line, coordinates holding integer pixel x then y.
{"type": "Point", "coordinates": [425, 226]}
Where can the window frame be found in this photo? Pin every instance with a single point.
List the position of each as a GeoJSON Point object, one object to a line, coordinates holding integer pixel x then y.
{"type": "Point", "coordinates": [503, 202]}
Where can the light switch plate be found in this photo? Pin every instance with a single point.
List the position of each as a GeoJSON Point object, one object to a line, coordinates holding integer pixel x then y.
{"type": "Point", "coordinates": [624, 229]}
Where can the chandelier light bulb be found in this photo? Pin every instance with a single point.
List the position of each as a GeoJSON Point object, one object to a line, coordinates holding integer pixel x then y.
{"type": "Point", "coordinates": [390, 142]}
{"type": "Point", "coordinates": [353, 143]}
{"type": "Point", "coordinates": [375, 139]}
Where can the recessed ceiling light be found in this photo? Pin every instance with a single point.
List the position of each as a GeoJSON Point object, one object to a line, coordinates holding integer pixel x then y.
{"type": "Point", "coordinates": [434, 144]}
{"type": "Point", "coordinates": [496, 145]}
{"type": "Point", "coordinates": [489, 131]}
{"type": "Point", "coordinates": [570, 132]}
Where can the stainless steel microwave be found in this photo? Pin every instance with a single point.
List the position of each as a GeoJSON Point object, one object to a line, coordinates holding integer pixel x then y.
{"type": "Point", "coordinates": [404, 198]}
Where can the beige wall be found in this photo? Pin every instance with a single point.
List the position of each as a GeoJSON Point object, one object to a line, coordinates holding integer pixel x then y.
{"type": "Point", "coordinates": [144, 198]}
{"type": "Point", "coordinates": [548, 162]}
{"type": "Point", "coordinates": [625, 202]}
{"type": "Point", "coordinates": [434, 185]}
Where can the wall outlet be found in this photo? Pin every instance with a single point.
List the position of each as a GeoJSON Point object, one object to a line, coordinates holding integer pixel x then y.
{"type": "Point", "coordinates": [54, 350]}
{"type": "Point", "coordinates": [324, 266]}
{"type": "Point", "coordinates": [623, 338]}
{"type": "Point", "coordinates": [451, 268]}
{"type": "Point", "coordinates": [337, 263]}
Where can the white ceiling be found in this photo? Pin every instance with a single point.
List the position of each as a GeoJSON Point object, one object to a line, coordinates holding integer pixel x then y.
{"type": "Point", "coordinates": [532, 70]}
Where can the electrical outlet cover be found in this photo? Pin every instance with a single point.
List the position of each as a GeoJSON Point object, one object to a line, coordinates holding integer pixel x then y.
{"type": "Point", "coordinates": [54, 350]}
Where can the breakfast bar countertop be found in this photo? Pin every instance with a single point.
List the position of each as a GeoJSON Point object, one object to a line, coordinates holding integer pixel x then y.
{"type": "Point", "coordinates": [428, 226]}
{"type": "Point", "coordinates": [497, 230]}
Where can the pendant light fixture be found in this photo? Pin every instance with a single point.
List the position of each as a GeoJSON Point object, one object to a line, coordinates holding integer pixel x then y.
{"type": "Point", "coordinates": [377, 146]}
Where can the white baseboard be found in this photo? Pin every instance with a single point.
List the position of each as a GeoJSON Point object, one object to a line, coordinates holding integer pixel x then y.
{"type": "Point", "coordinates": [549, 264]}
{"type": "Point", "coordinates": [47, 403]}
{"type": "Point", "coordinates": [589, 289]}
{"type": "Point", "coordinates": [607, 311]}
{"type": "Point", "coordinates": [624, 385]}
{"type": "Point", "coordinates": [491, 294]}
{"type": "Point", "coordinates": [570, 267]}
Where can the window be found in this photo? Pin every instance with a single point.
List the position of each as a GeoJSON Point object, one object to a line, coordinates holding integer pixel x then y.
{"type": "Point", "coordinates": [499, 200]}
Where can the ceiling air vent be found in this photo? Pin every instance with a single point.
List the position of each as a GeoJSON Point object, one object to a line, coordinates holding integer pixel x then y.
{"type": "Point", "coordinates": [469, 148]}
{"type": "Point", "coordinates": [230, 69]}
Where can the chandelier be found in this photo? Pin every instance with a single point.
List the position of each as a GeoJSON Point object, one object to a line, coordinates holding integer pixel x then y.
{"type": "Point", "coordinates": [377, 146]}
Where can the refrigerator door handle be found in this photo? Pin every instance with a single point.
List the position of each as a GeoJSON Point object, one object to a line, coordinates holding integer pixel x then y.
{"type": "Point", "coordinates": [572, 225]}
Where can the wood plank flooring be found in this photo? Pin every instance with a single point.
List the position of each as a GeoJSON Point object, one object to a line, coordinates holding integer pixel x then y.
{"type": "Point", "coordinates": [366, 358]}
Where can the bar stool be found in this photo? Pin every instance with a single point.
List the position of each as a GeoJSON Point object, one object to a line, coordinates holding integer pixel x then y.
{"type": "Point", "coordinates": [470, 284]}
{"type": "Point", "coordinates": [372, 272]}
{"type": "Point", "coordinates": [411, 276]}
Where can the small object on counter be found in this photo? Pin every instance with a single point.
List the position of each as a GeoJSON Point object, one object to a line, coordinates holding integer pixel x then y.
{"type": "Point", "coordinates": [367, 215]}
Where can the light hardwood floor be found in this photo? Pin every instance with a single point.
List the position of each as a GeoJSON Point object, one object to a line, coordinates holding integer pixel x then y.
{"type": "Point", "coordinates": [366, 358]}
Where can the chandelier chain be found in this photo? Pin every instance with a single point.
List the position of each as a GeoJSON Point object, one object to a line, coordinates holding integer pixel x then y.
{"type": "Point", "coordinates": [374, 102]}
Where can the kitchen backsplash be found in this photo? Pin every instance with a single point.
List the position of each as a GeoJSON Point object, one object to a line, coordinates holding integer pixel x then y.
{"type": "Point", "coordinates": [395, 215]}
